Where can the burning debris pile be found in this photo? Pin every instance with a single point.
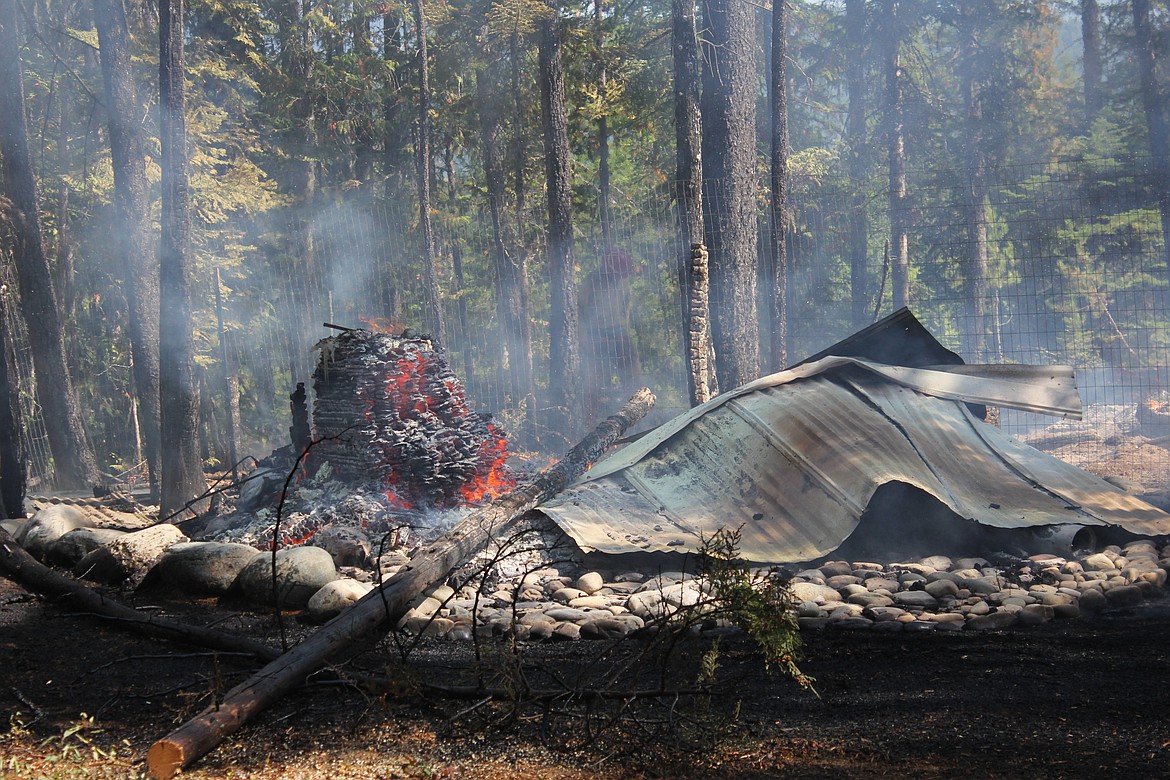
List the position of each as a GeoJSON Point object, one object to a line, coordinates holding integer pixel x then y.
{"type": "Point", "coordinates": [390, 410]}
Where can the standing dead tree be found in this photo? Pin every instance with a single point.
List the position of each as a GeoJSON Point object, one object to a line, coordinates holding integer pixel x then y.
{"type": "Point", "coordinates": [387, 604]}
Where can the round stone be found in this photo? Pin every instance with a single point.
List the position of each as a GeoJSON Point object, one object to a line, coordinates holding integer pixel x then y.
{"type": "Point", "coordinates": [590, 582]}
{"type": "Point", "coordinates": [333, 597]}
{"type": "Point", "coordinates": [48, 525]}
{"type": "Point", "coordinates": [76, 544]}
{"type": "Point", "coordinates": [915, 598]}
{"type": "Point", "coordinates": [300, 572]}
{"type": "Point", "coordinates": [203, 567]}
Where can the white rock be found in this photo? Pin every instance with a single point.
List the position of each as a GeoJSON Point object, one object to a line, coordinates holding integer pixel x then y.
{"type": "Point", "coordinates": [335, 596]}
{"type": "Point", "coordinates": [48, 525]}
{"type": "Point", "coordinates": [590, 582]}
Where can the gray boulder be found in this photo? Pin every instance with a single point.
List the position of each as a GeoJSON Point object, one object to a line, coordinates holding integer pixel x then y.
{"type": "Point", "coordinates": [203, 567]}
{"type": "Point", "coordinates": [48, 525]}
{"type": "Point", "coordinates": [300, 572]}
{"type": "Point", "coordinates": [75, 545]}
{"type": "Point", "coordinates": [131, 556]}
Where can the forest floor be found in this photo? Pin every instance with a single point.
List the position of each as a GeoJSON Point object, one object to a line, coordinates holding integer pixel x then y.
{"type": "Point", "coordinates": [1084, 698]}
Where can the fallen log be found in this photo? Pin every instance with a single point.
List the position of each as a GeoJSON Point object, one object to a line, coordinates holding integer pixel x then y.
{"type": "Point", "coordinates": [386, 604]}
{"type": "Point", "coordinates": [20, 567]}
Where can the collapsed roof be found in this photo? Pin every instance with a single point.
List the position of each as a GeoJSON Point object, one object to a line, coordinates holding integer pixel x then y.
{"type": "Point", "coordinates": [795, 457]}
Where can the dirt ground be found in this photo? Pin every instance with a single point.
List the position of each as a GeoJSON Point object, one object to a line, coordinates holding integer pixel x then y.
{"type": "Point", "coordinates": [1086, 698]}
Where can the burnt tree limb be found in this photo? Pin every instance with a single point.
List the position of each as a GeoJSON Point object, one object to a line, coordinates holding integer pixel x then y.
{"type": "Point", "coordinates": [20, 567]}
{"type": "Point", "coordinates": [388, 603]}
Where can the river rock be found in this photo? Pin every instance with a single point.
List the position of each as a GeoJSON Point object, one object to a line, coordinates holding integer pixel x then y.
{"type": "Point", "coordinates": [300, 572]}
{"type": "Point", "coordinates": [589, 602]}
{"type": "Point", "coordinates": [992, 621]}
{"type": "Point", "coordinates": [75, 545]}
{"type": "Point", "coordinates": [590, 582]}
{"type": "Point", "coordinates": [1035, 614]}
{"type": "Point", "coordinates": [1098, 562]}
{"type": "Point", "coordinates": [335, 596]}
{"type": "Point", "coordinates": [915, 598]}
{"type": "Point", "coordinates": [1124, 596]}
{"type": "Point", "coordinates": [203, 567]}
{"type": "Point", "coordinates": [48, 525]}
{"type": "Point", "coordinates": [567, 632]}
{"type": "Point", "coordinates": [131, 556]}
{"type": "Point", "coordinates": [835, 569]}
{"type": "Point", "coordinates": [942, 589]}
{"type": "Point", "coordinates": [811, 591]}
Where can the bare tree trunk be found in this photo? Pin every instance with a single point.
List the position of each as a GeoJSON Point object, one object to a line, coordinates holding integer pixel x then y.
{"type": "Point", "coordinates": [896, 145]}
{"type": "Point", "coordinates": [855, 29]}
{"type": "Point", "coordinates": [1157, 123]}
{"type": "Point", "coordinates": [692, 256]}
{"type": "Point", "coordinates": [780, 216]}
{"type": "Point", "coordinates": [511, 275]}
{"type": "Point", "coordinates": [457, 263]}
{"type": "Point", "coordinates": [386, 604]}
{"type": "Point", "coordinates": [423, 172]}
{"type": "Point", "coordinates": [74, 460]}
{"type": "Point", "coordinates": [182, 472]}
{"type": "Point", "coordinates": [730, 188]}
{"type": "Point", "coordinates": [564, 357]}
{"type": "Point", "coordinates": [140, 266]}
{"type": "Point", "coordinates": [1091, 59]}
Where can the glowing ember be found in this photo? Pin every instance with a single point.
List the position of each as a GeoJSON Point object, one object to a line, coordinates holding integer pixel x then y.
{"type": "Point", "coordinates": [391, 411]}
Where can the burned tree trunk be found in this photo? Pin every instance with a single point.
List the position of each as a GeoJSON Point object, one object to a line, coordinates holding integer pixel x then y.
{"type": "Point", "coordinates": [855, 142]}
{"type": "Point", "coordinates": [730, 188]}
{"type": "Point", "coordinates": [688, 134]}
{"type": "Point", "coordinates": [564, 359]}
{"type": "Point", "coordinates": [386, 604]}
{"type": "Point", "coordinates": [75, 463]}
{"type": "Point", "coordinates": [1157, 123]}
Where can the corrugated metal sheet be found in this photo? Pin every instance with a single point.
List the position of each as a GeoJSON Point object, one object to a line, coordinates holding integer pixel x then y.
{"type": "Point", "coordinates": [796, 457]}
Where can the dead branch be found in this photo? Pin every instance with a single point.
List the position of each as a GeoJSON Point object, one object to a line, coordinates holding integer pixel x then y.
{"type": "Point", "coordinates": [386, 604]}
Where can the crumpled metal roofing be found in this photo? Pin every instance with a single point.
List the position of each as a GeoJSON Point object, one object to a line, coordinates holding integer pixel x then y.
{"type": "Point", "coordinates": [795, 457]}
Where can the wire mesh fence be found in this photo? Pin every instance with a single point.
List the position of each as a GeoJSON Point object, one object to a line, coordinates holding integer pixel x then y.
{"type": "Point", "coordinates": [1056, 262]}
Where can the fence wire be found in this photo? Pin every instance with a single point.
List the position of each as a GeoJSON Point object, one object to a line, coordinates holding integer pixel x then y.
{"type": "Point", "coordinates": [1073, 271]}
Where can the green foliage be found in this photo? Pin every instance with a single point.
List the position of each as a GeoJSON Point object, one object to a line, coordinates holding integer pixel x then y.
{"type": "Point", "coordinates": [759, 603]}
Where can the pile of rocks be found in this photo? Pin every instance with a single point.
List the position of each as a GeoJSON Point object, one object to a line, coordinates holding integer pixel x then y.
{"type": "Point", "coordinates": [541, 596]}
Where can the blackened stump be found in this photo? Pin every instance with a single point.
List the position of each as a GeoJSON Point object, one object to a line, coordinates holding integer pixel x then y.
{"type": "Point", "coordinates": [389, 410]}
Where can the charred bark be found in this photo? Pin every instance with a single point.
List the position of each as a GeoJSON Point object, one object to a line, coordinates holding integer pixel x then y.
{"type": "Point", "coordinates": [140, 272]}
{"type": "Point", "coordinates": [75, 464]}
{"type": "Point", "coordinates": [386, 604]}
{"type": "Point", "coordinates": [182, 472]}
{"type": "Point", "coordinates": [730, 188]}
{"type": "Point", "coordinates": [564, 356]}
{"type": "Point", "coordinates": [692, 255]}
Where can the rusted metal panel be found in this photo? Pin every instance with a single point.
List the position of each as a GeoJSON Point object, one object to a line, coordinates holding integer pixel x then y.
{"type": "Point", "coordinates": [794, 459]}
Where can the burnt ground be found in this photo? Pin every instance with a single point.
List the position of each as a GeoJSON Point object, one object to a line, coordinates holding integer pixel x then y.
{"type": "Point", "coordinates": [1085, 698]}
